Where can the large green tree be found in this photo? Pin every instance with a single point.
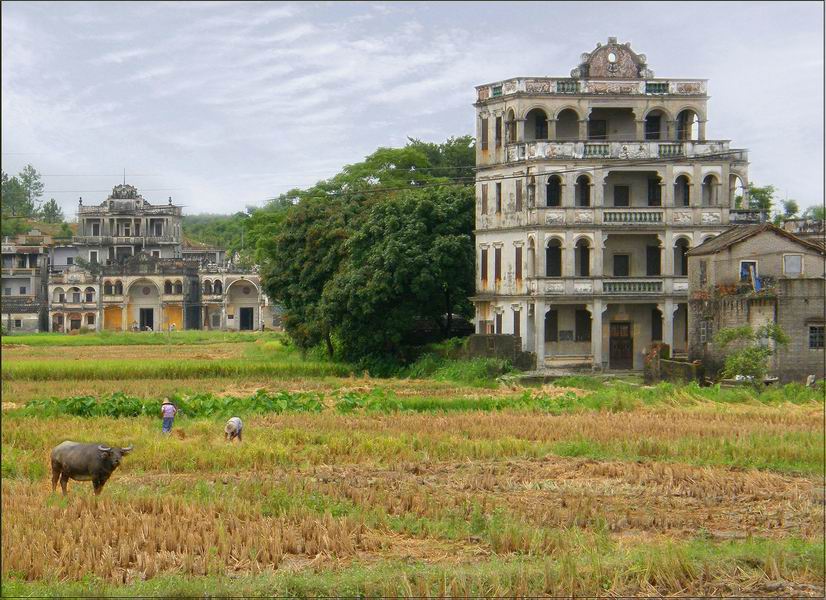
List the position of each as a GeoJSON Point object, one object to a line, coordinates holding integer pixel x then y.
{"type": "Point", "coordinates": [410, 258]}
{"type": "Point", "coordinates": [15, 200]}
{"type": "Point", "coordinates": [761, 198]}
{"type": "Point", "coordinates": [303, 237]}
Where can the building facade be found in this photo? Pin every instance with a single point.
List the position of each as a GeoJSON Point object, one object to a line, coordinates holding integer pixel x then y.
{"type": "Point", "coordinates": [24, 279]}
{"type": "Point", "coordinates": [590, 191]}
{"type": "Point", "coordinates": [128, 269]}
{"type": "Point", "coordinates": [757, 275]}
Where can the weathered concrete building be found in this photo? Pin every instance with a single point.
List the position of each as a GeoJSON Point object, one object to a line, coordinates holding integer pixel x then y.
{"type": "Point", "coordinates": [756, 275]}
{"type": "Point", "coordinates": [128, 269]}
{"type": "Point", "coordinates": [24, 279]}
{"type": "Point", "coordinates": [590, 191]}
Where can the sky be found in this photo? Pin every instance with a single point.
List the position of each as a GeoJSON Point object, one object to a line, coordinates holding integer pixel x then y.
{"type": "Point", "coordinates": [222, 105]}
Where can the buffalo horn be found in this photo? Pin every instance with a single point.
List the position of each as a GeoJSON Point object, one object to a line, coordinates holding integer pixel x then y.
{"type": "Point", "coordinates": [104, 449]}
{"type": "Point", "coordinates": [127, 449]}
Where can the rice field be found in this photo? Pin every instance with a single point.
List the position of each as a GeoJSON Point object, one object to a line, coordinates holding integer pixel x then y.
{"type": "Point", "coordinates": [348, 485]}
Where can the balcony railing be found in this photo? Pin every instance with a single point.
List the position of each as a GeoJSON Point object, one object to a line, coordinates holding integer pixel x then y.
{"type": "Point", "coordinates": [625, 286]}
{"type": "Point", "coordinates": [107, 240]}
{"type": "Point", "coordinates": [632, 217]}
{"type": "Point", "coordinates": [549, 86]}
{"type": "Point", "coordinates": [620, 149]}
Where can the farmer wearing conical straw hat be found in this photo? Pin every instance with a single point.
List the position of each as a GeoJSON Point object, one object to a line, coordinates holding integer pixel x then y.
{"type": "Point", "coordinates": [168, 411]}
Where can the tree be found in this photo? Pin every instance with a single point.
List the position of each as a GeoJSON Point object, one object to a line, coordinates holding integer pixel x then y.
{"type": "Point", "coordinates": [790, 208]}
{"type": "Point", "coordinates": [302, 238]}
{"type": "Point", "coordinates": [754, 349]}
{"type": "Point", "coordinates": [816, 213]}
{"type": "Point", "coordinates": [51, 212]}
{"type": "Point", "coordinates": [33, 186]}
{"type": "Point", "coordinates": [411, 257]}
{"type": "Point", "coordinates": [15, 201]}
{"type": "Point", "coordinates": [761, 198]}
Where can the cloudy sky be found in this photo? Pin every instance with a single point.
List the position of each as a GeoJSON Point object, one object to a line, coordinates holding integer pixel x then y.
{"type": "Point", "coordinates": [225, 104]}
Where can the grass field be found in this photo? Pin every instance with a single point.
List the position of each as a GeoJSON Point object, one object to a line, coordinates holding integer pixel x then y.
{"type": "Point", "coordinates": [347, 485]}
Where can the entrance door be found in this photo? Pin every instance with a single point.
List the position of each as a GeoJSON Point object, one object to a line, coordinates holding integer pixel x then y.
{"type": "Point", "coordinates": [246, 319]}
{"type": "Point", "coordinates": [147, 316]}
{"type": "Point", "coordinates": [621, 346]}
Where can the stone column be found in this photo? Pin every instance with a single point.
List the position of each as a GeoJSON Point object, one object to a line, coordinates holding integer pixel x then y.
{"type": "Point", "coordinates": [598, 197]}
{"type": "Point", "coordinates": [124, 318]}
{"type": "Point", "coordinates": [596, 331]}
{"type": "Point", "coordinates": [539, 332]}
{"type": "Point", "coordinates": [599, 252]}
{"type": "Point", "coordinates": [552, 129]}
{"type": "Point", "coordinates": [667, 309]}
{"type": "Point", "coordinates": [520, 130]}
{"type": "Point", "coordinates": [670, 131]}
{"type": "Point", "coordinates": [640, 129]}
{"type": "Point", "coordinates": [539, 260]}
{"type": "Point", "coordinates": [701, 131]}
{"type": "Point", "coordinates": [583, 130]}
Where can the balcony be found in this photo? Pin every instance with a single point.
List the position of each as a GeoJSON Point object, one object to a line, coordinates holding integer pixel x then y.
{"type": "Point", "coordinates": [620, 150]}
{"type": "Point", "coordinates": [632, 217]}
{"type": "Point", "coordinates": [110, 240]}
{"type": "Point", "coordinates": [626, 287]}
{"type": "Point", "coordinates": [25, 271]}
{"type": "Point", "coordinates": [560, 86]}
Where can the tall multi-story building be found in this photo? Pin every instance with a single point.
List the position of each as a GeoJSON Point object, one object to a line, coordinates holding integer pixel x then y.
{"type": "Point", "coordinates": [590, 191]}
{"type": "Point", "coordinates": [128, 269]}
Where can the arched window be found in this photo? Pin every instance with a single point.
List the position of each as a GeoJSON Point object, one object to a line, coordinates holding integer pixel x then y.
{"type": "Point", "coordinates": [89, 294]}
{"type": "Point", "coordinates": [688, 125]}
{"type": "Point", "coordinates": [655, 125]}
{"type": "Point", "coordinates": [567, 125]}
{"type": "Point", "coordinates": [710, 197]}
{"type": "Point", "coordinates": [553, 259]}
{"type": "Point", "coordinates": [217, 287]}
{"type": "Point", "coordinates": [107, 288]}
{"type": "Point", "coordinates": [680, 258]}
{"type": "Point", "coordinates": [583, 191]}
{"type": "Point", "coordinates": [58, 295]}
{"type": "Point", "coordinates": [207, 287]}
{"type": "Point", "coordinates": [75, 294]}
{"type": "Point", "coordinates": [118, 287]}
{"type": "Point", "coordinates": [536, 125]}
{"type": "Point", "coordinates": [179, 287]}
{"type": "Point", "coordinates": [167, 287]}
{"type": "Point", "coordinates": [582, 258]}
{"type": "Point", "coordinates": [737, 192]}
{"type": "Point", "coordinates": [553, 191]}
{"type": "Point", "coordinates": [682, 191]}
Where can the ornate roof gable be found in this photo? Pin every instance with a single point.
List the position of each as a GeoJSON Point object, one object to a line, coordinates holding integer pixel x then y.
{"type": "Point", "coordinates": [612, 61]}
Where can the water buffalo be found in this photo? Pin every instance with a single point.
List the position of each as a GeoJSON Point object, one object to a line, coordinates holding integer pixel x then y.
{"type": "Point", "coordinates": [233, 429]}
{"type": "Point", "coordinates": [85, 462]}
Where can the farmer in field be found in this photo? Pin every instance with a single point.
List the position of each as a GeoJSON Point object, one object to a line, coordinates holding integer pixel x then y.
{"type": "Point", "coordinates": [233, 429]}
{"type": "Point", "coordinates": [168, 412]}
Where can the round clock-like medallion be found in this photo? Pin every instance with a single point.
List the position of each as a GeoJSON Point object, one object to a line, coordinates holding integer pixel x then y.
{"type": "Point", "coordinates": [146, 291]}
{"type": "Point", "coordinates": [246, 290]}
{"type": "Point", "coordinates": [612, 58]}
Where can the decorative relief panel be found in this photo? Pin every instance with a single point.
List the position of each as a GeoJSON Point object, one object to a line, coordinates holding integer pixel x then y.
{"type": "Point", "coordinates": [680, 286]}
{"type": "Point", "coordinates": [560, 150]}
{"type": "Point", "coordinates": [583, 287]}
{"type": "Point", "coordinates": [537, 86]}
{"type": "Point", "coordinates": [682, 218]}
{"type": "Point", "coordinates": [633, 151]}
{"type": "Point", "coordinates": [554, 287]}
{"type": "Point", "coordinates": [532, 287]}
{"type": "Point", "coordinates": [688, 87]}
{"type": "Point", "coordinates": [583, 216]}
{"type": "Point", "coordinates": [606, 87]}
{"type": "Point", "coordinates": [509, 87]}
{"type": "Point", "coordinates": [484, 93]}
{"type": "Point", "coordinates": [555, 218]}
{"type": "Point", "coordinates": [710, 218]}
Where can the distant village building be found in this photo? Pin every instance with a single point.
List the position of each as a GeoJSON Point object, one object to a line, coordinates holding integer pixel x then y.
{"type": "Point", "coordinates": [813, 230]}
{"type": "Point", "coordinates": [24, 280]}
{"type": "Point", "coordinates": [590, 190]}
{"type": "Point", "coordinates": [756, 275]}
{"type": "Point", "coordinates": [128, 268]}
